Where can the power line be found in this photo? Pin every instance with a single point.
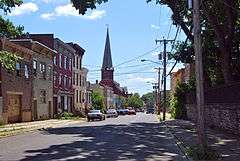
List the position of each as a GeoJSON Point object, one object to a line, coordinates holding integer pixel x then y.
{"type": "Point", "coordinates": [134, 59]}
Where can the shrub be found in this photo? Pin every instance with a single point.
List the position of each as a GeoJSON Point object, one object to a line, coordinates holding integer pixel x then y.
{"type": "Point", "coordinates": [2, 122]}
{"type": "Point", "coordinates": [178, 100]}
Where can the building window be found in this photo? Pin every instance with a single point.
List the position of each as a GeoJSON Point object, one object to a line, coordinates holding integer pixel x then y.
{"type": "Point", "coordinates": [18, 68]}
{"type": "Point", "coordinates": [43, 96]}
{"type": "Point", "coordinates": [74, 78]}
{"type": "Point", "coordinates": [77, 96]}
{"type": "Point", "coordinates": [77, 62]}
{"type": "Point", "coordinates": [54, 60]}
{"type": "Point", "coordinates": [34, 67]}
{"type": "Point", "coordinates": [70, 64]}
{"type": "Point", "coordinates": [74, 61]}
{"type": "Point", "coordinates": [80, 63]}
{"type": "Point", "coordinates": [65, 62]}
{"type": "Point", "coordinates": [26, 71]}
{"type": "Point", "coordinates": [43, 70]}
{"type": "Point", "coordinates": [80, 96]}
{"type": "Point", "coordinates": [60, 60]}
{"type": "Point", "coordinates": [70, 82]}
{"type": "Point", "coordinates": [65, 81]}
{"type": "Point", "coordinates": [50, 73]}
{"type": "Point", "coordinates": [60, 79]}
{"type": "Point", "coordinates": [80, 80]}
{"type": "Point", "coordinates": [77, 79]}
{"type": "Point", "coordinates": [55, 79]}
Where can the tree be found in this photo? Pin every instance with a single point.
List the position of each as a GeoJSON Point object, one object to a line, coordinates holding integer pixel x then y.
{"type": "Point", "coordinates": [7, 29]}
{"type": "Point", "coordinates": [97, 100]}
{"type": "Point", "coordinates": [149, 98]}
{"type": "Point", "coordinates": [135, 101]}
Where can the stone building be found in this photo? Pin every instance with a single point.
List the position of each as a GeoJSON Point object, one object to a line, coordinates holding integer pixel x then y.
{"type": "Point", "coordinates": [62, 73]}
{"type": "Point", "coordinates": [42, 70]}
{"type": "Point", "coordinates": [16, 86]}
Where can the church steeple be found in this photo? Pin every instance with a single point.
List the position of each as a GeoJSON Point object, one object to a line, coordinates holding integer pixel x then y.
{"type": "Point", "coordinates": [107, 59]}
{"type": "Point", "coordinates": [107, 66]}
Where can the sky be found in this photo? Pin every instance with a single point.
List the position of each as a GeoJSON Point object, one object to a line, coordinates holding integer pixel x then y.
{"type": "Point", "coordinates": [134, 26]}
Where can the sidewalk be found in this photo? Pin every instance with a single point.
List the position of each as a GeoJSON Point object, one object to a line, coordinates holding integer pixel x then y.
{"type": "Point", "coordinates": [18, 128]}
{"type": "Point", "coordinates": [227, 145]}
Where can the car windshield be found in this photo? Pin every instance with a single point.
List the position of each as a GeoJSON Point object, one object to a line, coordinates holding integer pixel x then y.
{"type": "Point", "coordinates": [95, 111]}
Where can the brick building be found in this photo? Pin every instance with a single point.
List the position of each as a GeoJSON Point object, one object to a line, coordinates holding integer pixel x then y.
{"type": "Point", "coordinates": [79, 80]}
{"type": "Point", "coordinates": [16, 86]}
{"type": "Point", "coordinates": [42, 70]}
{"type": "Point", "coordinates": [63, 89]}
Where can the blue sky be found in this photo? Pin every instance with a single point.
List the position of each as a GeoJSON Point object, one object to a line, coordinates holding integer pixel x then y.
{"type": "Point", "coordinates": [134, 26]}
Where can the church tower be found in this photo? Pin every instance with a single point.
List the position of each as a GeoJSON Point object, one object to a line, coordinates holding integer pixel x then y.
{"type": "Point", "coordinates": [107, 67]}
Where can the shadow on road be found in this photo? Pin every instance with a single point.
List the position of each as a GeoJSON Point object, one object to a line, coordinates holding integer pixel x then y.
{"type": "Point", "coordinates": [137, 141]}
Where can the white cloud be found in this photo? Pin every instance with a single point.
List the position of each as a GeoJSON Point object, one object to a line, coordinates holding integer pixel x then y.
{"type": "Point", "coordinates": [69, 10]}
{"type": "Point", "coordinates": [137, 79]}
{"type": "Point", "coordinates": [25, 8]}
{"type": "Point", "coordinates": [155, 27]}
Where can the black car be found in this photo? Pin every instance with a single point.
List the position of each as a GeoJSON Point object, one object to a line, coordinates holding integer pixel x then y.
{"type": "Point", "coordinates": [150, 111]}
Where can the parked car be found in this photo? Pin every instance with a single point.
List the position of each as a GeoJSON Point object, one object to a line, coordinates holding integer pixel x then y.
{"type": "Point", "coordinates": [125, 111]}
{"type": "Point", "coordinates": [150, 111]}
{"type": "Point", "coordinates": [112, 113]}
{"type": "Point", "coordinates": [95, 114]}
{"type": "Point", "coordinates": [131, 112]}
{"type": "Point", "coordinates": [122, 111]}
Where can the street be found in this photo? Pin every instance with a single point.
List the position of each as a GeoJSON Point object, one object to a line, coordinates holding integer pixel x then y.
{"type": "Point", "coordinates": [140, 137]}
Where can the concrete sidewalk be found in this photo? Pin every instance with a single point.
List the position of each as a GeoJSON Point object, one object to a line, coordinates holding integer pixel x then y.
{"type": "Point", "coordinates": [227, 145]}
{"type": "Point", "coordinates": [18, 128]}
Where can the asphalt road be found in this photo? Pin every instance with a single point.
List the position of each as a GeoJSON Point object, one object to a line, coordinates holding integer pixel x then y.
{"type": "Point", "coordinates": [133, 138]}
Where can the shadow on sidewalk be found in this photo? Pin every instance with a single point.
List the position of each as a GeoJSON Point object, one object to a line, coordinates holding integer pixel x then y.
{"type": "Point", "coordinates": [227, 145]}
{"type": "Point", "coordinates": [140, 141]}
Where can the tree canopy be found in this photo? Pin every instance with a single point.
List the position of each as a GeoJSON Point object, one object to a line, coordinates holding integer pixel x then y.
{"type": "Point", "coordinates": [7, 29]}
{"type": "Point", "coordinates": [135, 101]}
{"type": "Point", "coordinates": [97, 100]}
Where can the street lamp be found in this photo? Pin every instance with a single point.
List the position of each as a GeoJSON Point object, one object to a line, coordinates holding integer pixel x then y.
{"type": "Point", "coordinates": [144, 60]}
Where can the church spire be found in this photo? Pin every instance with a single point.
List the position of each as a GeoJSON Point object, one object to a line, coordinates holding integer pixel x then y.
{"type": "Point", "coordinates": [107, 59]}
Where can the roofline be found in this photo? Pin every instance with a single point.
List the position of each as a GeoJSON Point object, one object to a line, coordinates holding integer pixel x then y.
{"type": "Point", "coordinates": [34, 42]}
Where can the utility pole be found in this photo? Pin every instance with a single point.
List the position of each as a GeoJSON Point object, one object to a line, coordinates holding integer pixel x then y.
{"type": "Point", "coordinates": [165, 42]}
{"type": "Point", "coordinates": [199, 74]}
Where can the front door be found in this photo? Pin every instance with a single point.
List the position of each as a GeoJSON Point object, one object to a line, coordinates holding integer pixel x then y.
{"type": "Point", "coordinates": [14, 108]}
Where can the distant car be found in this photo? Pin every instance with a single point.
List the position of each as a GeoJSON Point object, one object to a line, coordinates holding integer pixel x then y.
{"type": "Point", "coordinates": [95, 114]}
{"type": "Point", "coordinates": [112, 113]}
{"type": "Point", "coordinates": [131, 112]}
{"type": "Point", "coordinates": [150, 111]}
{"type": "Point", "coordinates": [125, 111]}
{"type": "Point", "coordinates": [122, 111]}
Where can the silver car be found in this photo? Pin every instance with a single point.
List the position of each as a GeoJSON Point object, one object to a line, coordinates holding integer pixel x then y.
{"type": "Point", "coordinates": [112, 113]}
{"type": "Point", "coordinates": [95, 114]}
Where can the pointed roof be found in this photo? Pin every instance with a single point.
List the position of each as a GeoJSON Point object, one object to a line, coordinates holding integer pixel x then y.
{"type": "Point", "coordinates": [107, 59]}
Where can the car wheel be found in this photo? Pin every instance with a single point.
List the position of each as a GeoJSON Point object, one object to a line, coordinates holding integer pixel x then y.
{"type": "Point", "coordinates": [88, 119]}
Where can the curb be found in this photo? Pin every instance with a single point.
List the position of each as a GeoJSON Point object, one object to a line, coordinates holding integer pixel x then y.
{"type": "Point", "coordinates": [28, 130]}
{"type": "Point", "coordinates": [178, 142]}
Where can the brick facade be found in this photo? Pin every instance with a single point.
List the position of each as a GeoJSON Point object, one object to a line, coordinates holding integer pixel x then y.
{"type": "Point", "coordinates": [16, 86]}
